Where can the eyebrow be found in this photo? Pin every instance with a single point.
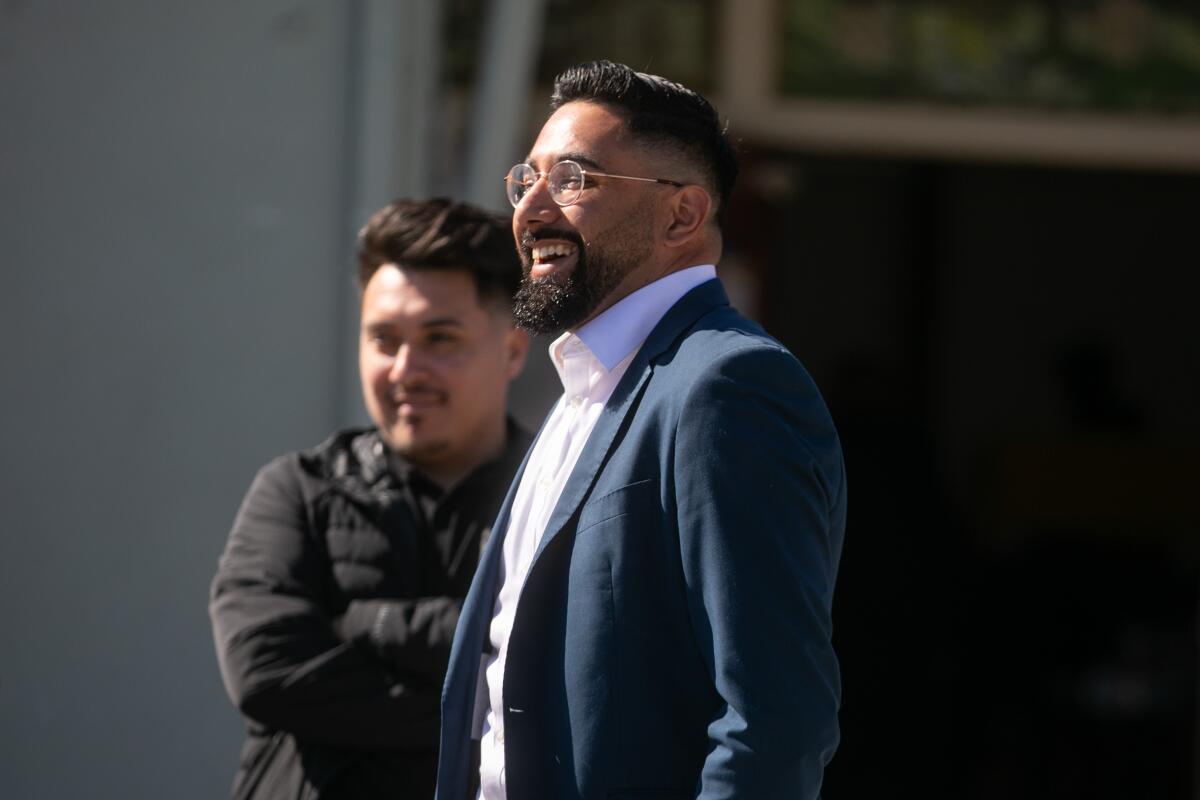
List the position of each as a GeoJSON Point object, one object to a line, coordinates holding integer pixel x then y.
{"type": "Point", "coordinates": [436, 322]}
{"type": "Point", "coordinates": [578, 158]}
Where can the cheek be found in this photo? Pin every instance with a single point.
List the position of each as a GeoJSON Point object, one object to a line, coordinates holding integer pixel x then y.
{"type": "Point", "coordinates": [374, 376]}
{"type": "Point", "coordinates": [473, 379]}
{"type": "Point", "coordinates": [577, 217]}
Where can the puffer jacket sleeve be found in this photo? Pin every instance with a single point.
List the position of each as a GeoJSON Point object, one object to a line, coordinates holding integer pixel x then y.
{"type": "Point", "coordinates": [282, 661]}
{"type": "Point", "coordinates": [412, 636]}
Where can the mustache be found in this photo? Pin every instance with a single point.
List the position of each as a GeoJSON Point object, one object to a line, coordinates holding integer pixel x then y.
{"type": "Point", "coordinates": [529, 238]}
{"type": "Point", "coordinates": [400, 394]}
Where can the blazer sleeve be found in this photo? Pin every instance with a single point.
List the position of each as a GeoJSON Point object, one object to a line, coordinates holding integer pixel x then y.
{"type": "Point", "coordinates": [760, 497]}
{"type": "Point", "coordinates": [283, 664]}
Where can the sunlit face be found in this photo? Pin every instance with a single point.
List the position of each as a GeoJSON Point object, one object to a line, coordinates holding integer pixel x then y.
{"type": "Point", "coordinates": [580, 259]}
{"type": "Point", "coordinates": [435, 367]}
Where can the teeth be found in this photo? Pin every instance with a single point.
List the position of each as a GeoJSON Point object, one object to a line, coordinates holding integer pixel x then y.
{"type": "Point", "coordinates": [552, 251]}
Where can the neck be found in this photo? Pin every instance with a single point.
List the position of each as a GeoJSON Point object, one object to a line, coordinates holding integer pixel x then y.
{"type": "Point", "coordinates": [667, 261]}
{"type": "Point", "coordinates": [489, 444]}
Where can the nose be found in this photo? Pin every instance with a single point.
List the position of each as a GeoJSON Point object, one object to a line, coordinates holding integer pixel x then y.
{"type": "Point", "coordinates": [536, 207]}
{"type": "Point", "coordinates": [405, 364]}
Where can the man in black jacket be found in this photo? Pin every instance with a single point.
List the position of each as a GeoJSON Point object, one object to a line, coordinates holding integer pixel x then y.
{"type": "Point", "coordinates": [337, 595]}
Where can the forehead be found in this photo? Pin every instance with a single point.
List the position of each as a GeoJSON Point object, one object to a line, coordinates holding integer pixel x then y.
{"type": "Point", "coordinates": [398, 294]}
{"type": "Point", "coordinates": [580, 128]}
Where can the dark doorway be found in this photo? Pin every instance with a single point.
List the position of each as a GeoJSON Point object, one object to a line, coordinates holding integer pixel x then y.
{"type": "Point", "coordinates": [1012, 359]}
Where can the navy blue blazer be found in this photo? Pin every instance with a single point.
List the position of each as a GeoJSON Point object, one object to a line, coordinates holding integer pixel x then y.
{"type": "Point", "coordinates": [672, 638]}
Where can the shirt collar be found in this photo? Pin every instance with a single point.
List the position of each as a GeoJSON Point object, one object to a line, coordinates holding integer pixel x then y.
{"type": "Point", "coordinates": [578, 368]}
{"type": "Point", "coordinates": [617, 332]}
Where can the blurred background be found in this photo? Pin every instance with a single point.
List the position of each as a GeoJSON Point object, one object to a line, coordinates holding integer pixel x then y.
{"type": "Point", "coordinates": [974, 221]}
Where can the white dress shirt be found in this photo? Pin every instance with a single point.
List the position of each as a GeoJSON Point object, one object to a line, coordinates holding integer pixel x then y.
{"type": "Point", "coordinates": [590, 363]}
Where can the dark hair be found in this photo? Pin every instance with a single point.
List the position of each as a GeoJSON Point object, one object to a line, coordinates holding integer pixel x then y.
{"type": "Point", "coordinates": [442, 234]}
{"type": "Point", "coordinates": [658, 112]}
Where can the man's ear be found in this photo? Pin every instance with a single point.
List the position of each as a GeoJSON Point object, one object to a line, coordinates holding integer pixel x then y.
{"type": "Point", "coordinates": [690, 208]}
{"type": "Point", "coordinates": [516, 346]}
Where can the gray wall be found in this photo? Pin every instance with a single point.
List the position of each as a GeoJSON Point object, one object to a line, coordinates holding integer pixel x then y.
{"type": "Point", "coordinates": [173, 274]}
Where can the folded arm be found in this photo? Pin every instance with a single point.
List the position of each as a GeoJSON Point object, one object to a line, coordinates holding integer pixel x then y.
{"type": "Point", "coordinates": [369, 679]}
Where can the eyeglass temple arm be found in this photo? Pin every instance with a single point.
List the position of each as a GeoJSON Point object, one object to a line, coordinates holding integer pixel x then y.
{"type": "Point", "coordinates": [667, 181]}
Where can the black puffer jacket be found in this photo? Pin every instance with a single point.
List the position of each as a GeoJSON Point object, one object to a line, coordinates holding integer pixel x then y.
{"type": "Point", "coordinates": [333, 610]}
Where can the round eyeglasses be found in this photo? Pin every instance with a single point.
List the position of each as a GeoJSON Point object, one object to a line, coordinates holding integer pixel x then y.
{"type": "Point", "coordinates": [566, 181]}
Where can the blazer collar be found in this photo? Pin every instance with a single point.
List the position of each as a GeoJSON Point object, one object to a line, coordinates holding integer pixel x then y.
{"type": "Point", "coordinates": [681, 316]}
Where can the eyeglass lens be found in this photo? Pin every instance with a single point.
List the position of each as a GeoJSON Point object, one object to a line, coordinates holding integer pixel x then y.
{"type": "Point", "coordinates": [564, 181]}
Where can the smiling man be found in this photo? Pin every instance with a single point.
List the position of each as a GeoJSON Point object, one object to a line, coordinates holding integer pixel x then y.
{"type": "Point", "coordinates": [336, 598]}
{"type": "Point", "coordinates": [652, 616]}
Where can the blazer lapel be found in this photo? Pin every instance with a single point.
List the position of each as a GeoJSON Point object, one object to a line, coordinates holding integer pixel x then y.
{"type": "Point", "coordinates": [483, 586]}
{"type": "Point", "coordinates": [467, 647]}
{"type": "Point", "coordinates": [689, 308]}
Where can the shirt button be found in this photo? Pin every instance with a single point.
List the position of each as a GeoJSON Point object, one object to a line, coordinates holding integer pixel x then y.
{"type": "Point", "coordinates": [576, 401]}
{"type": "Point", "coordinates": [500, 737]}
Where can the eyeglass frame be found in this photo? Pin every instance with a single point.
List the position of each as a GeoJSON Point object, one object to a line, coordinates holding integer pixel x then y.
{"type": "Point", "coordinates": [584, 173]}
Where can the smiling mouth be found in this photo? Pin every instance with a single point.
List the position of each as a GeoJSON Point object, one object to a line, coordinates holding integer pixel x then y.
{"type": "Point", "coordinates": [417, 402]}
{"type": "Point", "coordinates": [550, 258]}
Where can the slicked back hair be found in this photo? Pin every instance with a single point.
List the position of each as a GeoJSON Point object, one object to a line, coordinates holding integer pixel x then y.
{"type": "Point", "coordinates": [442, 234]}
{"type": "Point", "coordinates": [657, 112]}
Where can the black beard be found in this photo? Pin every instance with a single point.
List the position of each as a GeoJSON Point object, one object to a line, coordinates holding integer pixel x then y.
{"type": "Point", "coordinates": [544, 305]}
{"type": "Point", "coordinates": [555, 303]}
